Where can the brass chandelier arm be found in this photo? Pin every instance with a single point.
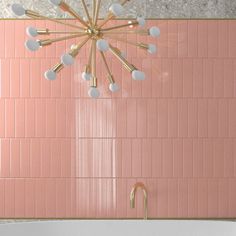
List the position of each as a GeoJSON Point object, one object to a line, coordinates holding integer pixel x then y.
{"type": "Point", "coordinates": [128, 66]}
{"type": "Point", "coordinates": [48, 32]}
{"type": "Point", "coordinates": [98, 5]}
{"type": "Point", "coordinates": [94, 69]}
{"type": "Point", "coordinates": [110, 76]}
{"type": "Point", "coordinates": [140, 44]}
{"type": "Point", "coordinates": [65, 7]}
{"type": "Point", "coordinates": [88, 66]}
{"type": "Point", "coordinates": [35, 15]}
{"type": "Point", "coordinates": [140, 32]}
{"type": "Point", "coordinates": [94, 11]}
{"type": "Point", "coordinates": [120, 26]}
{"type": "Point", "coordinates": [46, 42]}
{"type": "Point", "coordinates": [124, 2]}
{"type": "Point", "coordinates": [87, 12]}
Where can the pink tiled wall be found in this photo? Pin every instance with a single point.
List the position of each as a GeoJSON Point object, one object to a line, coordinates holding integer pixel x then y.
{"type": "Point", "coordinates": [63, 154]}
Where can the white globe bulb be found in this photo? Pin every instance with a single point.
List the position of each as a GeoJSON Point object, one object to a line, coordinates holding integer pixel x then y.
{"type": "Point", "coordinates": [152, 48]}
{"type": "Point", "coordinates": [93, 92]}
{"type": "Point", "coordinates": [138, 75]}
{"type": "Point", "coordinates": [18, 9]}
{"type": "Point", "coordinates": [113, 87]}
{"type": "Point", "coordinates": [141, 21]}
{"type": "Point", "coordinates": [102, 45]}
{"type": "Point", "coordinates": [32, 45]}
{"type": "Point", "coordinates": [86, 76]}
{"type": "Point", "coordinates": [67, 59]}
{"type": "Point", "coordinates": [31, 31]}
{"type": "Point", "coordinates": [154, 32]}
{"type": "Point", "coordinates": [116, 9]}
{"type": "Point", "coordinates": [50, 75]}
{"type": "Point", "coordinates": [55, 2]}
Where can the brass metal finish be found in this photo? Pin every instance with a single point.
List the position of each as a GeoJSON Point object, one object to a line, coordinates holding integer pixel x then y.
{"type": "Point", "coordinates": [124, 62]}
{"type": "Point", "coordinates": [145, 196]}
{"type": "Point", "coordinates": [120, 26]}
{"type": "Point", "coordinates": [87, 13]}
{"type": "Point", "coordinates": [58, 67]}
{"type": "Point", "coordinates": [48, 32]}
{"type": "Point", "coordinates": [140, 32]}
{"type": "Point", "coordinates": [110, 76]}
{"type": "Point", "coordinates": [96, 12]}
{"type": "Point", "coordinates": [94, 54]}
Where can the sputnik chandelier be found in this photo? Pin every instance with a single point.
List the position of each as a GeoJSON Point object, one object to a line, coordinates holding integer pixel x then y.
{"type": "Point", "coordinates": [90, 29]}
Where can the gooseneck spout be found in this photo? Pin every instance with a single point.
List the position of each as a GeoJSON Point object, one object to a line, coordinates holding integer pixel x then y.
{"type": "Point", "coordinates": [133, 194]}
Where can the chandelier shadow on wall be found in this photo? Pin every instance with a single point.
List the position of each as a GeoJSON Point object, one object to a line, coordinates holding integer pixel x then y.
{"type": "Point", "coordinates": [92, 31]}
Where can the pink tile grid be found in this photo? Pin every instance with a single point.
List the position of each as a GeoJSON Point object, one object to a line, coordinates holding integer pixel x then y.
{"type": "Point", "coordinates": [64, 155]}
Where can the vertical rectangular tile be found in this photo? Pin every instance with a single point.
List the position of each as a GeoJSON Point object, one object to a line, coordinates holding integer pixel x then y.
{"type": "Point", "coordinates": [172, 118]}
{"type": "Point", "coordinates": [146, 158]}
{"type": "Point", "coordinates": [213, 198]}
{"type": "Point", "coordinates": [35, 158]}
{"type": "Point", "coordinates": [212, 38]}
{"type": "Point", "coordinates": [182, 38]}
{"type": "Point", "coordinates": [2, 118]}
{"type": "Point", "coordinates": [202, 118]}
{"type": "Point", "coordinates": [208, 159]}
{"type": "Point", "coordinates": [9, 39]}
{"type": "Point", "coordinates": [131, 117]}
{"type": "Point", "coordinates": [167, 154]}
{"type": "Point", "coordinates": [24, 158]}
{"type": "Point", "coordinates": [172, 197]}
{"type": "Point", "coordinates": [51, 118]}
{"type": "Point", "coordinates": [20, 118]}
{"type": "Point", "coordinates": [223, 38]}
{"type": "Point", "coordinates": [40, 197]}
{"type": "Point", "coordinates": [197, 158]}
{"type": "Point", "coordinates": [19, 198]}
{"type": "Point", "coordinates": [213, 117]}
{"type": "Point", "coordinates": [192, 38]}
{"type": "Point", "coordinates": [157, 158]}
{"type": "Point", "coordinates": [202, 41]}
{"type": "Point", "coordinates": [218, 75]}
{"type": "Point", "coordinates": [24, 78]}
{"type": "Point", "coordinates": [208, 78]}
{"type": "Point", "coordinates": [9, 198]}
{"type": "Point", "coordinates": [223, 197]}
{"type": "Point", "coordinates": [187, 78]}
{"type": "Point", "coordinates": [228, 78]}
{"type": "Point", "coordinates": [121, 122]}
{"type": "Point", "coordinates": [141, 118]}
{"type": "Point", "coordinates": [218, 153]}
{"type": "Point", "coordinates": [177, 158]}
{"type": "Point", "coordinates": [126, 158]}
{"type": "Point", "coordinates": [137, 158]}
{"type": "Point", "coordinates": [14, 77]}
{"type": "Point", "coordinates": [192, 118]}
{"type": "Point", "coordinates": [188, 158]}
{"type": "Point", "coordinates": [232, 117]}
{"type": "Point", "coordinates": [183, 198]}
{"type": "Point", "coordinates": [30, 118]}
{"type": "Point", "coordinates": [172, 39]}
{"type": "Point", "coordinates": [30, 197]}
{"type": "Point", "coordinates": [151, 118]}
{"type": "Point", "coordinates": [162, 118]}
{"type": "Point", "coordinates": [223, 120]}
{"type": "Point", "coordinates": [232, 46]}
{"type": "Point", "coordinates": [197, 78]}
{"type": "Point", "coordinates": [182, 118]}
{"type": "Point", "coordinates": [15, 158]}
{"type": "Point", "coordinates": [228, 158]}
{"type": "Point", "coordinates": [5, 82]}
{"type": "Point", "coordinates": [2, 197]}
{"type": "Point", "coordinates": [10, 118]}
{"type": "Point", "coordinates": [202, 197]}
{"type": "Point", "coordinates": [5, 157]}
{"type": "Point", "coordinates": [177, 69]}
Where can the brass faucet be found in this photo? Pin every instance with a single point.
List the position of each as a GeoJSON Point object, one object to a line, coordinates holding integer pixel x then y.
{"type": "Point", "coordinates": [132, 197]}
